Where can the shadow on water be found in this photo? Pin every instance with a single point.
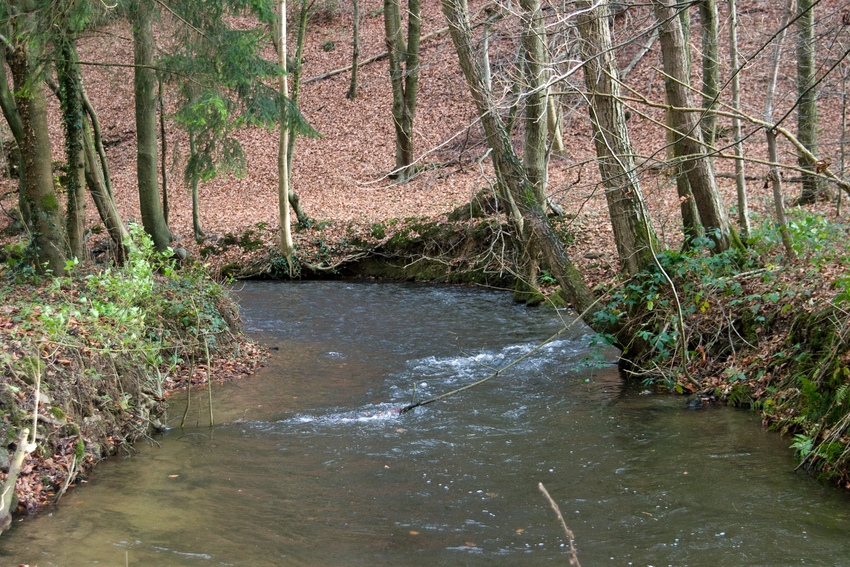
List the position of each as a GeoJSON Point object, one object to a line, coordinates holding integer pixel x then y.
{"type": "Point", "coordinates": [313, 466]}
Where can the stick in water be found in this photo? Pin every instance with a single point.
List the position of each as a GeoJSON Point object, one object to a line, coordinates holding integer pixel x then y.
{"type": "Point", "coordinates": [570, 536]}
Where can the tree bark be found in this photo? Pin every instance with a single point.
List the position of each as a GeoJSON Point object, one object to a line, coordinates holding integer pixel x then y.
{"type": "Point", "coordinates": [103, 201]}
{"type": "Point", "coordinates": [144, 88]}
{"type": "Point", "coordinates": [710, 67]}
{"type": "Point", "coordinates": [535, 69]}
{"type": "Point", "coordinates": [355, 50]}
{"type": "Point", "coordinates": [510, 173]}
{"type": "Point", "coordinates": [197, 231]}
{"type": "Point", "coordinates": [773, 154]}
{"type": "Point", "coordinates": [737, 137]}
{"type": "Point", "coordinates": [690, 147]}
{"type": "Point", "coordinates": [292, 196]}
{"type": "Point", "coordinates": [404, 77]}
{"type": "Point", "coordinates": [814, 187]}
{"type": "Point", "coordinates": [13, 119]}
{"type": "Point", "coordinates": [633, 231]}
{"type": "Point", "coordinates": [163, 138]}
{"type": "Point", "coordinates": [73, 119]}
{"type": "Point", "coordinates": [47, 221]}
{"type": "Point", "coordinates": [287, 249]}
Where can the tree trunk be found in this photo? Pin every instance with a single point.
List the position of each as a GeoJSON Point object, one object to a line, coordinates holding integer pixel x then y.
{"type": "Point", "coordinates": [773, 154]}
{"type": "Point", "coordinates": [814, 188]}
{"type": "Point", "coordinates": [98, 139]}
{"type": "Point", "coordinates": [355, 50]}
{"type": "Point", "coordinates": [404, 77]}
{"type": "Point", "coordinates": [535, 69]}
{"type": "Point", "coordinates": [633, 231]}
{"type": "Point", "coordinates": [47, 222]}
{"type": "Point", "coordinates": [73, 119]}
{"type": "Point", "coordinates": [710, 67]}
{"type": "Point", "coordinates": [294, 200]}
{"type": "Point", "coordinates": [198, 232]}
{"type": "Point", "coordinates": [553, 116]}
{"type": "Point", "coordinates": [144, 88]}
{"type": "Point", "coordinates": [287, 249]}
{"type": "Point", "coordinates": [13, 119]}
{"type": "Point", "coordinates": [510, 173]}
{"type": "Point", "coordinates": [689, 144]}
{"type": "Point", "coordinates": [96, 181]}
{"type": "Point", "coordinates": [691, 223]}
{"type": "Point", "coordinates": [164, 150]}
{"type": "Point", "coordinates": [737, 138]}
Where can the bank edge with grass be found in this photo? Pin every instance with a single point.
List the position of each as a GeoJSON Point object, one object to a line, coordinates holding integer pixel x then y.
{"type": "Point", "coordinates": [89, 358]}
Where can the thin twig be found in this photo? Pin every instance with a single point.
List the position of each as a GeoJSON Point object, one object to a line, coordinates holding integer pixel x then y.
{"type": "Point", "coordinates": [570, 536]}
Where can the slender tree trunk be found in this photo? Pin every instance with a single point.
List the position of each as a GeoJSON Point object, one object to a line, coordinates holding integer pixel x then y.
{"type": "Point", "coordinates": [404, 77]}
{"type": "Point", "coordinates": [843, 153]}
{"type": "Point", "coordinates": [95, 179]}
{"type": "Point", "coordinates": [355, 50]}
{"type": "Point", "coordinates": [98, 139]}
{"type": "Point", "coordinates": [535, 67]}
{"type": "Point", "coordinates": [13, 119]}
{"type": "Point", "coordinates": [509, 170]}
{"type": "Point", "coordinates": [144, 88]}
{"type": "Point", "coordinates": [690, 147]}
{"type": "Point", "coordinates": [710, 67]}
{"type": "Point", "coordinates": [773, 154]}
{"type": "Point", "coordinates": [93, 176]}
{"type": "Point", "coordinates": [73, 120]}
{"type": "Point", "coordinates": [633, 231]}
{"type": "Point", "coordinates": [814, 187]}
{"type": "Point", "coordinates": [553, 117]}
{"type": "Point", "coordinates": [287, 249]}
{"type": "Point", "coordinates": [164, 150]}
{"type": "Point", "coordinates": [485, 52]}
{"type": "Point", "coordinates": [740, 182]}
{"type": "Point", "coordinates": [691, 223]}
{"type": "Point", "coordinates": [535, 155]}
{"type": "Point", "coordinates": [47, 222]}
{"type": "Point", "coordinates": [193, 183]}
{"type": "Point", "coordinates": [294, 200]}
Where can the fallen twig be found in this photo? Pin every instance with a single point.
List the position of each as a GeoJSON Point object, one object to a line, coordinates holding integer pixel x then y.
{"type": "Point", "coordinates": [570, 536]}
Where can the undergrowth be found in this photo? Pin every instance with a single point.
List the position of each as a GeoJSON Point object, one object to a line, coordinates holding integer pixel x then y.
{"type": "Point", "coordinates": [100, 346]}
{"type": "Point", "coordinates": [761, 331]}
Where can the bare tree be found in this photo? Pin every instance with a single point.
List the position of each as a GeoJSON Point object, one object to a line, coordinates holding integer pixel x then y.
{"type": "Point", "coordinates": [688, 136]}
{"type": "Point", "coordinates": [737, 138]}
{"type": "Point", "coordinates": [633, 231]}
{"type": "Point", "coordinates": [814, 186]}
{"type": "Point", "coordinates": [404, 76]}
{"type": "Point", "coordinates": [355, 50]}
{"type": "Point", "coordinates": [526, 211]}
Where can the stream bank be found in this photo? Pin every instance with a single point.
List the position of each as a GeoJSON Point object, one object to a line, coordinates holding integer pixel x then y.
{"type": "Point", "coordinates": [100, 351]}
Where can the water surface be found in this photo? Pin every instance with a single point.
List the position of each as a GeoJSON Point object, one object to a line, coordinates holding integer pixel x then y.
{"type": "Point", "coordinates": [309, 466]}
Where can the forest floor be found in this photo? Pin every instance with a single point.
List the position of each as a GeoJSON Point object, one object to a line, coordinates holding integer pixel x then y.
{"type": "Point", "coordinates": [343, 183]}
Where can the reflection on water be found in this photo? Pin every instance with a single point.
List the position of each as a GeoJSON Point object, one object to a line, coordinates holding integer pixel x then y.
{"type": "Point", "coordinates": [313, 466]}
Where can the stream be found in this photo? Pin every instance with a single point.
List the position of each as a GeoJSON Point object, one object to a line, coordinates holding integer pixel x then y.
{"type": "Point", "coordinates": [309, 465]}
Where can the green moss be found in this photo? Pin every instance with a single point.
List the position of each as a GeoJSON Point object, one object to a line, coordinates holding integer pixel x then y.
{"type": "Point", "coordinates": [248, 243]}
{"type": "Point", "coordinates": [57, 413]}
{"type": "Point", "coordinates": [230, 270]}
{"type": "Point", "coordinates": [377, 231]}
{"type": "Point", "coordinates": [49, 202]}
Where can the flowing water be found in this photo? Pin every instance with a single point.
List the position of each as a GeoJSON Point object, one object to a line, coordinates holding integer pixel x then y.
{"type": "Point", "coordinates": [309, 465]}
